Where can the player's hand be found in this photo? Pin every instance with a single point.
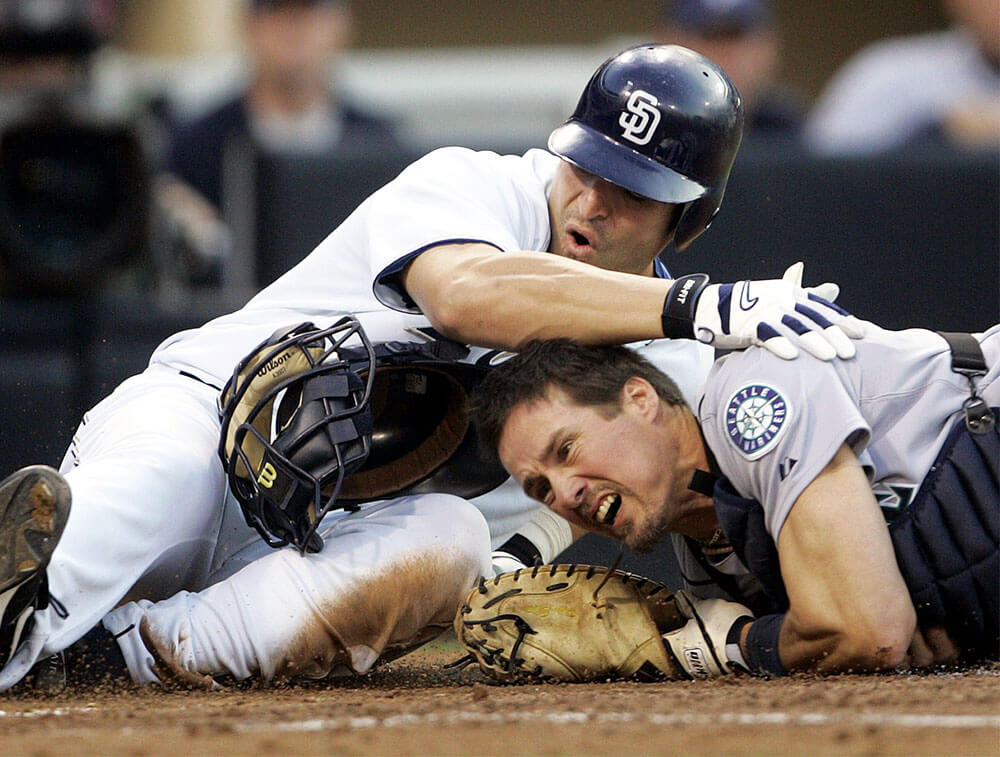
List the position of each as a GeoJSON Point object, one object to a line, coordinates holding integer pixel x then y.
{"type": "Point", "coordinates": [704, 646]}
{"type": "Point", "coordinates": [778, 314]}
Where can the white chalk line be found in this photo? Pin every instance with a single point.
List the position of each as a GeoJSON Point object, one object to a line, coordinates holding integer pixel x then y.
{"type": "Point", "coordinates": [887, 719]}
{"type": "Point", "coordinates": [903, 720]}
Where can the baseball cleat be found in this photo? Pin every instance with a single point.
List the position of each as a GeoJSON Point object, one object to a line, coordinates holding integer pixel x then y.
{"type": "Point", "coordinates": [34, 508]}
{"type": "Point", "coordinates": [48, 677]}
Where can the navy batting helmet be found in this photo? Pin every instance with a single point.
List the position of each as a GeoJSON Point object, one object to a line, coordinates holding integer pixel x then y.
{"type": "Point", "coordinates": [662, 121]}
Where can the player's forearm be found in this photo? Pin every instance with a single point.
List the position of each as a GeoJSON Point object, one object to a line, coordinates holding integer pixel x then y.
{"type": "Point", "coordinates": [818, 650]}
{"type": "Point", "coordinates": [805, 647]}
{"type": "Point", "coordinates": [504, 300]}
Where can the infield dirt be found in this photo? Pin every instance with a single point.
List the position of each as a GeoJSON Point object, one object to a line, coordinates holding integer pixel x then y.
{"type": "Point", "coordinates": [415, 707]}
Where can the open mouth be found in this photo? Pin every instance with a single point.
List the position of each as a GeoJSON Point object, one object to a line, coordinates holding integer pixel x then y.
{"type": "Point", "coordinates": [608, 508]}
{"type": "Point", "coordinates": [578, 237]}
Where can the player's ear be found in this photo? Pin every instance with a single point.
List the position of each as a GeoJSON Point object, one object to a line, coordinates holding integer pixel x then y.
{"type": "Point", "coordinates": [639, 396]}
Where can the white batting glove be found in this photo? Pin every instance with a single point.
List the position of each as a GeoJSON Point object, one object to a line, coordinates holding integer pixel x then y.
{"type": "Point", "coordinates": [707, 646]}
{"type": "Point", "coordinates": [777, 314]}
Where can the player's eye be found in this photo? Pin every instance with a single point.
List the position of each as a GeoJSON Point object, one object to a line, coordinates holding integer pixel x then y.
{"type": "Point", "coordinates": [539, 489]}
{"type": "Point", "coordinates": [562, 454]}
{"type": "Point", "coordinates": [635, 197]}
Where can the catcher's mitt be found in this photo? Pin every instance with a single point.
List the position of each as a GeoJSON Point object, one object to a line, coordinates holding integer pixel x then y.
{"type": "Point", "coordinates": [569, 623]}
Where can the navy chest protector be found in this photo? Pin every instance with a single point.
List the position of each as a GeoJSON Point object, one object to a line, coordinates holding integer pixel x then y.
{"type": "Point", "coordinates": [947, 542]}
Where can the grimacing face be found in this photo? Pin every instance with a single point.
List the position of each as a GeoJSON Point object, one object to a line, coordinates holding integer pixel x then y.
{"type": "Point", "coordinates": [602, 470]}
{"type": "Point", "coordinates": [605, 225]}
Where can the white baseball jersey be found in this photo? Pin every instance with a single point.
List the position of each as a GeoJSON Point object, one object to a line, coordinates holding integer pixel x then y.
{"type": "Point", "coordinates": [152, 518]}
{"type": "Point", "coordinates": [451, 194]}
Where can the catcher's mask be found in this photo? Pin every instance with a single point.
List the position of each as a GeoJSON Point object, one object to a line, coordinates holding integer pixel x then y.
{"type": "Point", "coordinates": [305, 420]}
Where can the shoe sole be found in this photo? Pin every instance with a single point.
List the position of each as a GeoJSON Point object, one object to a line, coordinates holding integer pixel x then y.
{"type": "Point", "coordinates": [34, 508]}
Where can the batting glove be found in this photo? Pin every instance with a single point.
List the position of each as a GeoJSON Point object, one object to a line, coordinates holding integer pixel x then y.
{"type": "Point", "coordinates": [707, 646]}
{"type": "Point", "coordinates": [776, 314]}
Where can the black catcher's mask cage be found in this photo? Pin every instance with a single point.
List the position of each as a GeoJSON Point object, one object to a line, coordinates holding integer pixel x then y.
{"type": "Point", "coordinates": [295, 422]}
{"type": "Point", "coordinates": [306, 420]}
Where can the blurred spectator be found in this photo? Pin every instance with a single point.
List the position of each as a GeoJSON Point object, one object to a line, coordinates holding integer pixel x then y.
{"type": "Point", "coordinates": [74, 189]}
{"type": "Point", "coordinates": [291, 103]}
{"type": "Point", "coordinates": [742, 37]}
{"type": "Point", "coordinates": [933, 89]}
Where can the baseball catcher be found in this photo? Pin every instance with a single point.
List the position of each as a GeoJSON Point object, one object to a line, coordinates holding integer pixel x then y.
{"type": "Point", "coordinates": [588, 623]}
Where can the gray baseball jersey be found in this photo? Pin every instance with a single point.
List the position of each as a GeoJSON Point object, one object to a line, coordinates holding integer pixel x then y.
{"type": "Point", "coordinates": [773, 425]}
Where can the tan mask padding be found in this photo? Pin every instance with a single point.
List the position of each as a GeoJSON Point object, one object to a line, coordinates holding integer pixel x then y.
{"type": "Point", "coordinates": [291, 361]}
{"type": "Point", "coordinates": [428, 456]}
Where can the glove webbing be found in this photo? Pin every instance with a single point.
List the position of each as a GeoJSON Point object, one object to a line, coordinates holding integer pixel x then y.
{"type": "Point", "coordinates": [511, 664]}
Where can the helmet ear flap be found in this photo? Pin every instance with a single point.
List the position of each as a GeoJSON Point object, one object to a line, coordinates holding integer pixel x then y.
{"type": "Point", "coordinates": [695, 219]}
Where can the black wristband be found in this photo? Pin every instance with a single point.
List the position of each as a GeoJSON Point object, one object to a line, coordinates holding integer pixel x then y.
{"type": "Point", "coordinates": [762, 647]}
{"type": "Point", "coordinates": [521, 548]}
{"type": "Point", "coordinates": [677, 320]}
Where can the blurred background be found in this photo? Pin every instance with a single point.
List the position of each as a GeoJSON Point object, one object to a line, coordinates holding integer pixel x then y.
{"type": "Point", "coordinates": [160, 160]}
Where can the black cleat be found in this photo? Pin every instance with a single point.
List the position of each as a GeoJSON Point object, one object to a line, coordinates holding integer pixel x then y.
{"type": "Point", "coordinates": [48, 677]}
{"type": "Point", "coordinates": [34, 508]}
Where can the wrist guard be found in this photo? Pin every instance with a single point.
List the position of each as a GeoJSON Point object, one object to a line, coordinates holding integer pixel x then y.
{"type": "Point", "coordinates": [677, 319]}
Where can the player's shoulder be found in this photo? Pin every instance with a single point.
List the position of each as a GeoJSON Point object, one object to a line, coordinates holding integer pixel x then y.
{"type": "Point", "coordinates": [750, 372]}
{"type": "Point", "coordinates": [516, 180]}
{"type": "Point", "coordinates": [535, 163]}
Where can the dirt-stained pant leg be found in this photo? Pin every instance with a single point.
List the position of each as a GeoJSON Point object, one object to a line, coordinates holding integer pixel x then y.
{"type": "Point", "coordinates": [387, 579]}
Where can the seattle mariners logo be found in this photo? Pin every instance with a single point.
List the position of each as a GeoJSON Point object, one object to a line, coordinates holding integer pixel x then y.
{"type": "Point", "coordinates": [755, 417]}
{"type": "Point", "coordinates": [642, 118]}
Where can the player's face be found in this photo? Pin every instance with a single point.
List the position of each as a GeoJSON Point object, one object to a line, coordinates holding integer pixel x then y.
{"type": "Point", "coordinates": [610, 472]}
{"type": "Point", "coordinates": [600, 223]}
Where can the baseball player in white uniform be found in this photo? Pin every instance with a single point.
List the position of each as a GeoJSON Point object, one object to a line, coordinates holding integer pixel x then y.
{"type": "Point", "coordinates": [155, 552]}
{"type": "Point", "coordinates": [777, 488]}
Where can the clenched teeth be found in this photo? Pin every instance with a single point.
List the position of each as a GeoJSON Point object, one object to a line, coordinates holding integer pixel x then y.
{"type": "Point", "coordinates": [608, 508]}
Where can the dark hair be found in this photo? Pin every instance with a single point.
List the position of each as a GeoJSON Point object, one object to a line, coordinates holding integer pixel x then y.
{"type": "Point", "coordinates": [590, 376]}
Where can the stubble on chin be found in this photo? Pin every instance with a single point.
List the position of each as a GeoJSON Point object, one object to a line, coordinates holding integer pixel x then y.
{"type": "Point", "coordinates": [645, 537]}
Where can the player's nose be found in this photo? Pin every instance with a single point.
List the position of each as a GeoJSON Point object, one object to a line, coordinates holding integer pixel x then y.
{"type": "Point", "coordinates": [569, 493]}
{"type": "Point", "coordinates": [594, 200]}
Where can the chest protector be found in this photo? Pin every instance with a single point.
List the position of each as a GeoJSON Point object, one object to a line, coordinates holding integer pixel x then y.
{"type": "Point", "coordinates": [947, 542]}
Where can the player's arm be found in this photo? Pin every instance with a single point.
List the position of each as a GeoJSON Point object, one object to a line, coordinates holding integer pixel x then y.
{"type": "Point", "coordinates": [849, 607]}
{"type": "Point", "coordinates": [476, 294]}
